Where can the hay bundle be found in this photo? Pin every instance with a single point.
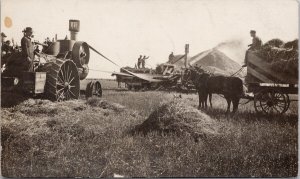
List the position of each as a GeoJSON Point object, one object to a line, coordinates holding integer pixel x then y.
{"type": "Point", "coordinates": [291, 67]}
{"type": "Point", "coordinates": [282, 56]}
{"type": "Point", "coordinates": [176, 117]}
{"type": "Point", "coordinates": [274, 43]}
{"type": "Point", "coordinates": [292, 44]}
{"type": "Point", "coordinates": [275, 50]}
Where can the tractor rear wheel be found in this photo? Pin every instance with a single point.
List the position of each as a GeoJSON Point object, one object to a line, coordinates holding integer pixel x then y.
{"type": "Point", "coordinates": [62, 81]}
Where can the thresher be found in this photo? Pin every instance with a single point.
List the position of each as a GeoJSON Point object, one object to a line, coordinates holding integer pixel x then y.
{"type": "Point", "coordinates": [58, 70]}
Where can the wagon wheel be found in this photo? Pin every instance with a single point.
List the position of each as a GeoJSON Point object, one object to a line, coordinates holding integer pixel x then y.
{"type": "Point", "coordinates": [93, 89]}
{"type": "Point", "coordinates": [287, 97]}
{"type": "Point", "coordinates": [270, 102]}
{"type": "Point", "coordinates": [257, 106]}
{"type": "Point", "coordinates": [62, 81]}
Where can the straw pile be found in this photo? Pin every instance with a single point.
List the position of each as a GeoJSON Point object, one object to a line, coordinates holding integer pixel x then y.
{"type": "Point", "coordinates": [180, 119]}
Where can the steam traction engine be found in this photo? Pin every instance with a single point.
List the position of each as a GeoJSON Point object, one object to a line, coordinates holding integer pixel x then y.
{"type": "Point", "coordinates": [58, 71]}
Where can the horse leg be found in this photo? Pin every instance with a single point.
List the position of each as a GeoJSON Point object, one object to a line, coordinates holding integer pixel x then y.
{"type": "Point", "coordinates": [235, 103]}
{"type": "Point", "coordinates": [205, 100]}
{"type": "Point", "coordinates": [199, 94]}
{"type": "Point", "coordinates": [228, 105]}
{"type": "Point", "coordinates": [210, 95]}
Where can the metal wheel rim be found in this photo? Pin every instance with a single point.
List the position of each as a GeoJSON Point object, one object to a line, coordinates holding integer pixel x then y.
{"type": "Point", "coordinates": [67, 83]}
{"type": "Point", "coordinates": [287, 97]}
{"type": "Point", "coordinates": [257, 106]}
{"type": "Point", "coordinates": [272, 102]}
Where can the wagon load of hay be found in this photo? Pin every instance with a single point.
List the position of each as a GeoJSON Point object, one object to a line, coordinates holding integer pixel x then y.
{"type": "Point", "coordinates": [283, 57]}
{"type": "Point", "coordinates": [178, 118]}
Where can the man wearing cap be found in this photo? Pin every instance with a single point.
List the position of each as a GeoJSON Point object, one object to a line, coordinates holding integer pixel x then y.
{"type": "Point", "coordinates": [255, 46]}
{"type": "Point", "coordinates": [27, 48]}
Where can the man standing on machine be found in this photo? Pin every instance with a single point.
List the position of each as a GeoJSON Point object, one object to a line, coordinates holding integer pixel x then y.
{"type": "Point", "coordinates": [27, 49]}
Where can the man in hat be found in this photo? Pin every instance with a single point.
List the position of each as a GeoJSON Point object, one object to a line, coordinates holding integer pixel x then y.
{"type": "Point", "coordinates": [6, 47]}
{"type": "Point", "coordinates": [3, 36]}
{"type": "Point", "coordinates": [255, 46]}
{"type": "Point", "coordinates": [27, 48]}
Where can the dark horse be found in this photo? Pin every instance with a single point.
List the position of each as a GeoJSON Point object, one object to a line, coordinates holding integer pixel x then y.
{"type": "Point", "coordinates": [202, 91]}
{"type": "Point", "coordinates": [230, 87]}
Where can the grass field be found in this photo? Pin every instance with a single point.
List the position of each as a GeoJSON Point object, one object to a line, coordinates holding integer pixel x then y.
{"type": "Point", "coordinates": [95, 139]}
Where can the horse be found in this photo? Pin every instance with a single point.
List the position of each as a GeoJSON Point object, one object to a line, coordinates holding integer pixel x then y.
{"type": "Point", "coordinates": [230, 87]}
{"type": "Point", "coordinates": [201, 90]}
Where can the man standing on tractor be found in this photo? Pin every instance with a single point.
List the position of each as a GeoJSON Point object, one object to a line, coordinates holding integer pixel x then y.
{"type": "Point", "coordinates": [27, 48]}
{"type": "Point", "coordinates": [255, 46]}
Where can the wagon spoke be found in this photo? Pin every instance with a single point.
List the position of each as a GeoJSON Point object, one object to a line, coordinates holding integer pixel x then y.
{"type": "Point", "coordinates": [67, 72]}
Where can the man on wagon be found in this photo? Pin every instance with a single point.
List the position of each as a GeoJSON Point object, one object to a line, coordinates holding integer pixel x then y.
{"type": "Point", "coordinates": [255, 46]}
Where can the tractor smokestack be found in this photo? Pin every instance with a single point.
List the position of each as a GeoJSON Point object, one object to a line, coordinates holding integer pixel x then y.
{"type": "Point", "coordinates": [74, 27]}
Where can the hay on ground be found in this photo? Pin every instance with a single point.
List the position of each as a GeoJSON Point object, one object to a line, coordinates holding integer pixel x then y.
{"type": "Point", "coordinates": [176, 117]}
{"type": "Point", "coordinates": [102, 103]}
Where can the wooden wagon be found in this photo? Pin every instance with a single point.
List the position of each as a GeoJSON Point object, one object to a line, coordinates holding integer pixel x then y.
{"type": "Point", "coordinates": [271, 89]}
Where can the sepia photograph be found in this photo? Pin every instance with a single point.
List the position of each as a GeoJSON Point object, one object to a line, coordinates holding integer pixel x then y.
{"type": "Point", "coordinates": [149, 88]}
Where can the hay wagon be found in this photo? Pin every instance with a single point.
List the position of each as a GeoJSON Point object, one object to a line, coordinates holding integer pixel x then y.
{"type": "Point", "coordinates": [272, 89]}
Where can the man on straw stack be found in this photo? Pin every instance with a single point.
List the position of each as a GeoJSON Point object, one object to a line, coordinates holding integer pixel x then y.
{"type": "Point", "coordinates": [255, 46]}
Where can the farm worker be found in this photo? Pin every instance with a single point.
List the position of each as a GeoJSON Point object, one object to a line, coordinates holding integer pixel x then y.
{"type": "Point", "coordinates": [139, 61]}
{"type": "Point", "coordinates": [144, 61]}
{"type": "Point", "coordinates": [6, 47]}
{"type": "Point", "coordinates": [3, 52]}
{"type": "Point", "coordinates": [3, 36]}
{"type": "Point", "coordinates": [171, 57]}
{"type": "Point", "coordinates": [36, 51]}
{"type": "Point", "coordinates": [255, 46]}
{"type": "Point", "coordinates": [27, 48]}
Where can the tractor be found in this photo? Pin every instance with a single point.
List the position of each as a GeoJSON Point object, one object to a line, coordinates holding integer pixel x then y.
{"type": "Point", "coordinates": [58, 72]}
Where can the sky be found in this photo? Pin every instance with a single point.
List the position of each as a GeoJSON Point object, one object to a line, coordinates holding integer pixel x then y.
{"type": "Point", "coordinates": [124, 29]}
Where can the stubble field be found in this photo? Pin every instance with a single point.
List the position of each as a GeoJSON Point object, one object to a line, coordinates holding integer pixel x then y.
{"type": "Point", "coordinates": [103, 137]}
